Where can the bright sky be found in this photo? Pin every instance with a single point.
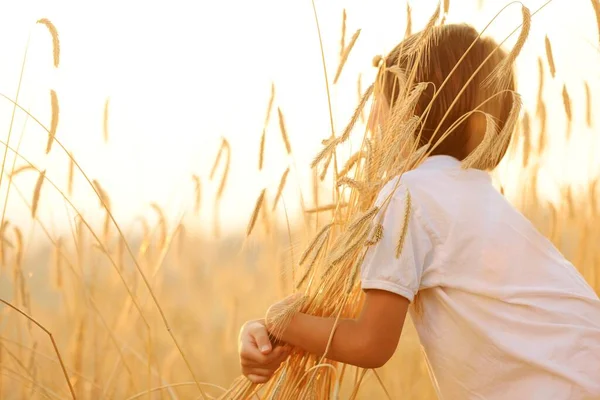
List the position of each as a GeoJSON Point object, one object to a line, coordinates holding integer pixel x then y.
{"type": "Point", "coordinates": [180, 75]}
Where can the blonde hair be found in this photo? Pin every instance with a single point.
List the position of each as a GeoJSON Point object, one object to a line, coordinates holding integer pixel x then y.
{"type": "Point", "coordinates": [433, 65]}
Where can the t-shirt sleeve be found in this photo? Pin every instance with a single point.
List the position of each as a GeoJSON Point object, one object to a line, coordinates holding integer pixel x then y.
{"type": "Point", "coordinates": [390, 264]}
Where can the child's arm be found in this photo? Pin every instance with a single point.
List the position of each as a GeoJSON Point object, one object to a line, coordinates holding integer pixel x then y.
{"type": "Point", "coordinates": [368, 341]}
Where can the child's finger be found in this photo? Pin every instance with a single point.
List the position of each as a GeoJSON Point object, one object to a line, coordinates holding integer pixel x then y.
{"type": "Point", "coordinates": [261, 337]}
{"type": "Point", "coordinates": [257, 378]}
{"type": "Point", "coordinates": [272, 361]}
{"type": "Point", "coordinates": [251, 356]}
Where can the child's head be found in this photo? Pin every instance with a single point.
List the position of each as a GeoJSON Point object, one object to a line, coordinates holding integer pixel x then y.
{"type": "Point", "coordinates": [442, 54]}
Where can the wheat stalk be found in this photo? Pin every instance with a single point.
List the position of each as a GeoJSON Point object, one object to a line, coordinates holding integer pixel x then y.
{"type": "Point", "coordinates": [54, 120]}
{"type": "Point", "coordinates": [345, 55]}
{"type": "Point", "coordinates": [542, 136]}
{"type": "Point", "coordinates": [222, 148]}
{"type": "Point", "coordinates": [550, 57]}
{"type": "Point", "coordinates": [55, 42]}
{"type": "Point", "coordinates": [446, 6]}
{"type": "Point", "coordinates": [257, 208]}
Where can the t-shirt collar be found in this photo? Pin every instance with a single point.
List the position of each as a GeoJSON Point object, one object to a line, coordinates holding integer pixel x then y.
{"type": "Point", "coordinates": [439, 162]}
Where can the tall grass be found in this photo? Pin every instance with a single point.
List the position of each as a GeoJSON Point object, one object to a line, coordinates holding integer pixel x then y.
{"type": "Point", "coordinates": [156, 315]}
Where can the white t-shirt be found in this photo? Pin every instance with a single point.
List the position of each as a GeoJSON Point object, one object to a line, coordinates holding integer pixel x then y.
{"type": "Point", "coordinates": [503, 314]}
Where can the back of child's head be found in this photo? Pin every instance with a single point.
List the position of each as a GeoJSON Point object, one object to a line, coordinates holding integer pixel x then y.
{"type": "Point", "coordinates": [437, 59]}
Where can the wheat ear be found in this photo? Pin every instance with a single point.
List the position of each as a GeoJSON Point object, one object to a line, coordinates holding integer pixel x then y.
{"type": "Point", "coordinates": [55, 42]}
{"type": "Point", "coordinates": [596, 5]}
{"type": "Point", "coordinates": [257, 207]}
{"type": "Point", "coordinates": [502, 73]}
{"type": "Point", "coordinates": [280, 188]}
{"type": "Point", "coordinates": [198, 193]}
{"type": "Point", "coordinates": [407, 213]}
{"type": "Point", "coordinates": [283, 130]}
{"type": "Point", "coordinates": [550, 57]}
{"type": "Point", "coordinates": [345, 55]}
{"type": "Point", "coordinates": [36, 193]}
{"type": "Point", "coordinates": [588, 104]}
{"type": "Point", "coordinates": [105, 120]}
{"type": "Point", "coordinates": [54, 120]}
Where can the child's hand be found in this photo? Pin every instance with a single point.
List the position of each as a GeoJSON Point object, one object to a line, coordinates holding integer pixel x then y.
{"type": "Point", "coordinates": [258, 358]}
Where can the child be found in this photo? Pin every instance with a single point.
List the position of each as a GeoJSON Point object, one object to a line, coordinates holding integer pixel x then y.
{"type": "Point", "coordinates": [502, 314]}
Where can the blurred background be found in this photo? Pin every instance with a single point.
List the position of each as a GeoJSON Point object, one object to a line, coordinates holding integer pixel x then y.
{"type": "Point", "coordinates": [147, 93]}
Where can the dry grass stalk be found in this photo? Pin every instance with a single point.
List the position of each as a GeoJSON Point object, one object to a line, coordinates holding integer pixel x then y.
{"type": "Point", "coordinates": [377, 235]}
{"type": "Point", "coordinates": [283, 130]}
{"type": "Point", "coordinates": [19, 251]}
{"type": "Point", "coordinates": [361, 187]}
{"type": "Point", "coordinates": [221, 189]}
{"type": "Point", "coordinates": [106, 227]}
{"type": "Point", "coordinates": [596, 5]}
{"type": "Point", "coordinates": [5, 242]}
{"type": "Point", "coordinates": [36, 193]}
{"type": "Point", "coordinates": [324, 208]}
{"type": "Point", "coordinates": [57, 264]}
{"type": "Point", "coordinates": [54, 120]}
{"type": "Point", "coordinates": [478, 158]}
{"type": "Point", "coordinates": [588, 104]}
{"type": "Point", "coordinates": [331, 143]}
{"type": "Point", "coordinates": [280, 188]}
{"type": "Point", "coordinates": [222, 149]}
{"type": "Point", "coordinates": [360, 220]}
{"type": "Point", "coordinates": [162, 223]}
{"type": "Point", "coordinates": [344, 56]}
{"type": "Point", "coordinates": [261, 151]}
{"type": "Point", "coordinates": [550, 57]}
{"type": "Point", "coordinates": [343, 36]}
{"type": "Point", "coordinates": [568, 109]}
{"type": "Point", "coordinates": [408, 31]}
{"type": "Point", "coordinates": [105, 120]}
{"type": "Point", "coordinates": [270, 106]}
{"type": "Point", "coordinates": [540, 95]}
{"type": "Point", "coordinates": [70, 176]}
{"type": "Point", "coordinates": [257, 208]}
{"type": "Point", "coordinates": [542, 137]}
{"type": "Point", "coordinates": [198, 194]}
{"type": "Point", "coordinates": [102, 195]}
{"type": "Point", "coordinates": [359, 91]}
{"type": "Point", "coordinates": [313, 243]}
{"type": "Point", "coordinates": [20, 169]}
{"type": "Point", "coordinates": [359, 109]}
{"type": "Point", "coordinates": [55, 42]}
{"type": "Point", "coordinates": [350, 163]}
{"type": "Point", "coordinates": [407, 214]}
{"type": "Point", "coordinates": [446, 6]}
{"type": "Point", "coordinates": [502, 73]}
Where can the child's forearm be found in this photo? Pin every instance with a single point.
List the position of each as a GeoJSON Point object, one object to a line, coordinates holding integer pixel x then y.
{"type": "Point", "coordinates": [351, 344]}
